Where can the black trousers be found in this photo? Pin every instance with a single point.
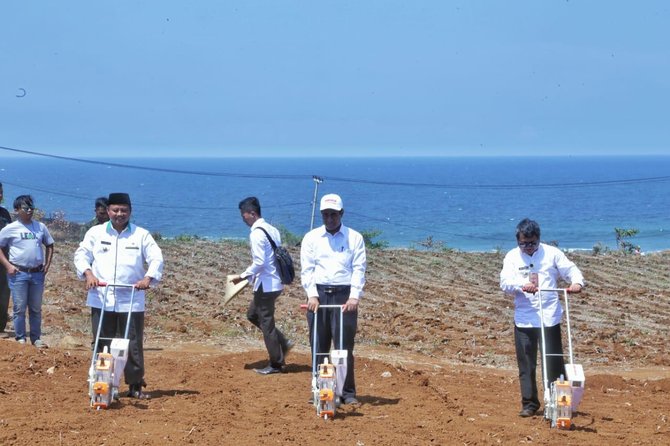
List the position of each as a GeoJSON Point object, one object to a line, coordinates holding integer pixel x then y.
{"type": "Point", "coordinates": [4, 298]}
{"type": "Point", "coordinates": [526, 341]}
{"type": "Point", "coordinates": [261, 313]}
{"type": "Point", "coordinates": [114, 326]}
{"type": "Point", "coordinates": [328, 331]}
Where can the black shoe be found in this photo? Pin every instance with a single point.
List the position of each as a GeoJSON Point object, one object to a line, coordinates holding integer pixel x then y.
{"type": "Point", "coordinates": [269, 370]}
{"type": "Point", "coordinates": [136, 392]}
{"type": "Point", "coordinates": [351, 400]}
{"type": "Point", "coordinates": [527, 412]}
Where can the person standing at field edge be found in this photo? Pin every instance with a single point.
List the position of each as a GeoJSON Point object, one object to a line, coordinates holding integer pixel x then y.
{"type": "Point", "coordinates": [529, 267]}
{"type": "Point", "coordinates": [5, 219]}
{"type": "Point", "coordinates": [101, 215]}
{"type": "Point", "coordinates": [333, 262]}
{"type": "Point", "coordinates": [115, 253]}
{"type": "Point", "coordinates": [267, 284]}
{"type": "Point", "coordinates": [26, 265]}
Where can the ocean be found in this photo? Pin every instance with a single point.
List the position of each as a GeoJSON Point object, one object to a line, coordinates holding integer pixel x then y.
{"type": "Point", "coordinates": [463, 203]}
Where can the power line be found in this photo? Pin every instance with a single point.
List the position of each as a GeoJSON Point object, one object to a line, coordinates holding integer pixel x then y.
{"type": "Point", "coordinates": [627, 181]}
{"type": "Point", "coordinates": [148, 205]}
{"type": "Point", "coordinates": [432, 230]}
{"type": "Point", "coordinates": [159, 169]}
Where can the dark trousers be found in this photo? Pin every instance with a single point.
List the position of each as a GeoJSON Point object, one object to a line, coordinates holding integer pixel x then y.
{"type": "Point", "coordinates": [261, 313]}
{"type": "Point", "coordinates": [328, 331]}
{"type": "Point", "coordinates": [4, 298]}
{"type": "Point", "coordinates": [114, 326]}
{"type": "Point", "coordinates": [526, 341]}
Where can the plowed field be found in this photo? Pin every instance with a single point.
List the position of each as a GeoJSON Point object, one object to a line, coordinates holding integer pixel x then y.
{"type": "Point", "coordinates": [435, 359]}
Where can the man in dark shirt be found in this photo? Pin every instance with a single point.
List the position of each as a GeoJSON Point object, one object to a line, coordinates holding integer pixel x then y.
{"type": "Point", "coordinates": [5, 219]}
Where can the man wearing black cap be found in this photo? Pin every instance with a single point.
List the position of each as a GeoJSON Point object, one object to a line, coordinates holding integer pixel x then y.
{"type": "Point", "coordinates": [115, 253]}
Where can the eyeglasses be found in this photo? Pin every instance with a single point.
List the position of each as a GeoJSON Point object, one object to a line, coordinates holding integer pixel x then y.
{"type": "Point", "coordinates": [532, 244]}
{"type": "Point", "coordinates": [27, 208]}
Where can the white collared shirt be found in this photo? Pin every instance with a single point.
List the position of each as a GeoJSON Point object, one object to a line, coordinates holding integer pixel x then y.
{"type": "Point", "coordinates": [550, 264]}
{"type": "Point", "coordinates": [263, 269]}
{"type": "Point", "coordinates": [333, 259]}
{"type": "Point", "coordinates": [118, 258]}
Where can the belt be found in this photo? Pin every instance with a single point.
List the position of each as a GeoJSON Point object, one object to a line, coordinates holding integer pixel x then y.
{"type": "Point", "coordinates": [330, 289]}
{"type": "Point", "coordinates": [25, 269]}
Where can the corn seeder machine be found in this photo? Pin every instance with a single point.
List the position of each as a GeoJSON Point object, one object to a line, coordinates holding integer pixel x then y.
{"type": "Point", "coordinates": [107, 366]}
{"type": "Point", "coordinates": [329, 375]}
{"type": "Point", "coordinates": [561, 397]}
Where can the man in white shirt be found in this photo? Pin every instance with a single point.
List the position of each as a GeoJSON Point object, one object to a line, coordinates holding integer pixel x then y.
{"type": "Point", "coordinates": [333, 262]}
{"type": "Point", "coordinates": [526, 269]}
{"type": "Point", "coordinates": [264, 275]}
{"type": "Point", "coordinates": [115, 253]}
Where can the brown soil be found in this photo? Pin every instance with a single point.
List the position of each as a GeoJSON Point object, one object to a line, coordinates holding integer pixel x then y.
{"type": "Point", "coordinates": [436, 322]}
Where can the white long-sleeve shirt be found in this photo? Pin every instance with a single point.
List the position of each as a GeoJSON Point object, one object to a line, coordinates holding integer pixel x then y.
{"type": "Point", "coordinates": [550, 264]}
{"type": "Point", "coordinates": [119, 258]}
{"type": "Point", "coordinates": [263, 268]}
{"type": "Point", "coordinates": [333, 259]}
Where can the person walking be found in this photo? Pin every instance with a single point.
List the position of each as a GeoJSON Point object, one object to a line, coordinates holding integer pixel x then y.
{"type": "Point", "coordinates": [264, 275]}
{"type": "Point", "coordinates": [333, 261]}
{"type": "Point", "coordinates": [26, 265]}
{"type": "Point", "coordinates": [116, 253]}
{"type": "Point", "coordinates": [529, 267]}
{"type": "Point", "coordinates": [5, 219]}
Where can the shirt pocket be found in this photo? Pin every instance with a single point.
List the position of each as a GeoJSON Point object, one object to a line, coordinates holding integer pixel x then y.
{"type": "Point", "coordinates": [344, 257]}
{"type": "Point", "coordinates": [103, 249]}
{"type": "Point", "coordinates": [128, 255]}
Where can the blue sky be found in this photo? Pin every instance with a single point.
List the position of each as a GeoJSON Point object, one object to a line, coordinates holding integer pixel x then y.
{"type": "Point", "coordinates": [342, 78]}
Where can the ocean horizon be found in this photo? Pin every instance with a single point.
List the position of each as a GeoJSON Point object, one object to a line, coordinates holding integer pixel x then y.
{"type": "Point", "coordinates": [464, 203]}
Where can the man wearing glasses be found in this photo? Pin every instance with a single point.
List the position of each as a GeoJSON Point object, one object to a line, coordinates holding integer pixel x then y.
{"type": "Point", "coordinates": [26, 266]}
{"type": "Point", "coordinates": [526, 269]}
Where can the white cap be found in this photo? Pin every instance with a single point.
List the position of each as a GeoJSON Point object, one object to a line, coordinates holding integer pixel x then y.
{"type": "Point", "coordinates": [331, 201]}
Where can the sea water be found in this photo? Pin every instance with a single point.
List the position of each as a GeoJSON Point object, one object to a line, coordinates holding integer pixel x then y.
{"type": "Point", "coordinates": [465, 203]}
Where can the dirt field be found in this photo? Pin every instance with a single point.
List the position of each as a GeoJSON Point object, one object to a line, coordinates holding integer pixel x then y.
{"type": "Point", "coordinates": [435, 359]}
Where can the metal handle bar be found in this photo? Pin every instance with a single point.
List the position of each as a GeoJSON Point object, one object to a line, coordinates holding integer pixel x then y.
{"type": "Point", "coordinates": [304, 306]}
{"type": "Point", "coordinates": [565, 292]}
{"type": "Point", "coordinates": [118, 285]}
{"type": "Point", "coordinates": [314, 334]}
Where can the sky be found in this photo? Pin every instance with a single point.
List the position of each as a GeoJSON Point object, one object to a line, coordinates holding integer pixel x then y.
{"type": "Point", "coordinates": [335, 77]}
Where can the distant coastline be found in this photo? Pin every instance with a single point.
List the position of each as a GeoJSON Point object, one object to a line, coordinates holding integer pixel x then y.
{"type": "Point", "coordinates": [464, 203]}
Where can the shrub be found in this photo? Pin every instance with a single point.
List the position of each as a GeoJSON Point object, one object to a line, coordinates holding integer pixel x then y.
{"type": "Point", "coordinates": [370, 234]}
{"type": "Point", "coordinates": [624, 245]}
{"type": "Point", "coordinates": [287, 237]}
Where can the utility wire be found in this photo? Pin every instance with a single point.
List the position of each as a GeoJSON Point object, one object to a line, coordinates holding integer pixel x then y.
{"type": "Point", "coordinates": [626, 181]}
{"type": "Point", "coordinates": [158, 169]}
{"type": "Point", "coordinates": [148, 205]}
{"type": "Point", "coordinates": [432, 230]}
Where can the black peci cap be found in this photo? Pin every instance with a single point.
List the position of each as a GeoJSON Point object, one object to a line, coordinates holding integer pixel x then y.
{"type": "Point", "coordinates": [119, 198]}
